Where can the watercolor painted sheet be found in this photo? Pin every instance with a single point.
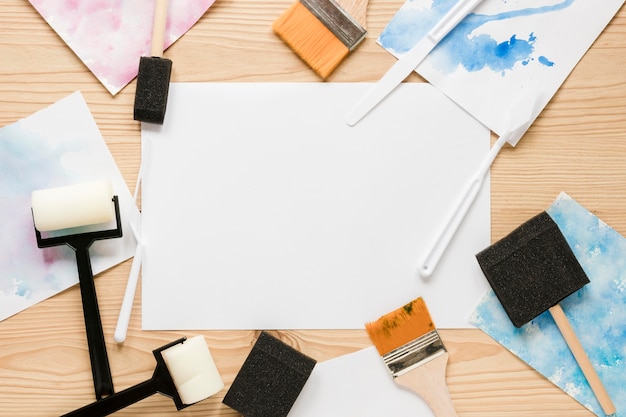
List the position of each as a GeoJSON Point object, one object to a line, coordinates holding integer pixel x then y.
{"type": "Point", "coordinates": [59, 145]}
{"type": "Point", "coordinates": [272, 213]}
{"type": "Point", "coordinates": [503, 48]}
{"type": "Point", "coordinates": [357, 384]}
{"type": "Point", "coordinates": [597, 313]}
{"type": "Point", "coordinates": [110, 36]}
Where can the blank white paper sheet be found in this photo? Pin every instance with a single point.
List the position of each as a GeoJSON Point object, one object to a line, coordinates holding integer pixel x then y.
{"type": "Point", "coordinates": [357, 384]}
{"type": "Point", "coordinates": [262, 209]}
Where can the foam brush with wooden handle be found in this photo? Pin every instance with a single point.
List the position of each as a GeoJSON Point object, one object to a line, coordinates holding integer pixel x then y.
{"type": "Point", "coordinates": [533, 269]}
{"type": "Point", "coordinates": [153, 78]}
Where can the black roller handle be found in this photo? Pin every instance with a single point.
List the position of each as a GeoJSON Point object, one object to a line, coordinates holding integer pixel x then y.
{"type": "Point", "coordinates": [80, 243]}
{"type": "Point", "coordinates": [161, 382]}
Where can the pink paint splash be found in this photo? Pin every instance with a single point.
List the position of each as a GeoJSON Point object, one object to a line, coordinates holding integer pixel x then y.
{"type": "Point", "coordinates": [110, 36]}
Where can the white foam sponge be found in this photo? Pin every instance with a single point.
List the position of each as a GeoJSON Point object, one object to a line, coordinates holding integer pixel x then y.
{"type": "Point", "coordinates": [193, 370]}
{"type": "Point", "coordinates": [73, 205]}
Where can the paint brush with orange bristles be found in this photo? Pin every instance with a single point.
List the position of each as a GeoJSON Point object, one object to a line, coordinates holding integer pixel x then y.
{"type": "Point", "coordinates": [414, 353]}
{"type": "Point", "coordinates": [322, 32]}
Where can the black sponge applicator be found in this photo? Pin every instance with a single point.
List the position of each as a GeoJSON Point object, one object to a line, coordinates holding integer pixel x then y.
{"type": "Point", "coordinates": [531, 270]}
{"type": "Point", "coordinates": [270, 379]}
{"type": "Point", "coordinates": [153, 83]}
{"type": "Point", "coordinates": [153, 78]}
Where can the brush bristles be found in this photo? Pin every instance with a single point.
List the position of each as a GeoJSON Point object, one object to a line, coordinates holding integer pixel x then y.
{"type": "Point", "coordinates": [310, 39]}
{"type": "Point", "coordinates": [400, 327]}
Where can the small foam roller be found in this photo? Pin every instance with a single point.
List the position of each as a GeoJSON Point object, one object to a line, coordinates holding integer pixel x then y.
{"type": "Point", "coordinates": [73, 205]}
{"type": "Point", "coordinates": [270, 379]}
{"type": "Point", "coordinates": [193, 370]}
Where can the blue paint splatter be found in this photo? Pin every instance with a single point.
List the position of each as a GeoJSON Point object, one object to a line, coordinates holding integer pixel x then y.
{"type": "Point", "coordinates": [28, 161]}
{"type": "Point", "coordinates": [545, 61]}
{"type": "Point", "coordinates": [22, 289]}
{"type": "Point", "coordinates": [460, 47]}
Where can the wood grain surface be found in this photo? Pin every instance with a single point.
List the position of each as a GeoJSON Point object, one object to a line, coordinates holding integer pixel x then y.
{"type": "Point", "coordinates": [577, 145]}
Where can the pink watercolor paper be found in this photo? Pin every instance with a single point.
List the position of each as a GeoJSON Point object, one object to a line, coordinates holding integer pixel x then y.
{"type": "Point", "coordinates": [110, 36]}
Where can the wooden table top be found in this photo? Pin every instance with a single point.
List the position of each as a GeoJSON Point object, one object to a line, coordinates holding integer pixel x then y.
{"type": "Point", "coordinates": [577, 145]}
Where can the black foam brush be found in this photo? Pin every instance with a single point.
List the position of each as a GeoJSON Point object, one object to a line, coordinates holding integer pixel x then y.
{"type": "Point", "coordinates": [270, 380]}
{"type": "Point", "coordinates": [531, 271]}
{"type": "Point", "coordinates": [153, 79]}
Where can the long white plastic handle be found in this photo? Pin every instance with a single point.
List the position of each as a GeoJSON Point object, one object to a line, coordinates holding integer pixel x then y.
{"type": "Point", "coordinates": [131, 285]}
{"type": "Point", "coordinates": [407, 63]}
{"type": "Point", "coordinates": [129, 295]}
{"type": "Point", "coordinates": [392, 78]}
{"type": "Point", "coordinates": [523, 112]}
{"type": "Point", "coordinates": [458, 214]}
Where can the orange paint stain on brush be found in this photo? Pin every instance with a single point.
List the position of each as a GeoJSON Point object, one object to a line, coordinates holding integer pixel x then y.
{"type": "Point", "coordinates": [400, 326]}
{"type": "Point", "coordinates": [414, 354]}
{"type": "Point", "coordinates": [322, 32]}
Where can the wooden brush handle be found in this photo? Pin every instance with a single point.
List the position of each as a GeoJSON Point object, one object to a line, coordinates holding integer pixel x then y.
{"type": "Point", "coordinates": [158, 28]}
{"type": "Point", "coordinates": [429, 382]}
{"type": "Point", "coordinates": [356, 9]}
{"type": "Point", "coordinates": [583, 361]}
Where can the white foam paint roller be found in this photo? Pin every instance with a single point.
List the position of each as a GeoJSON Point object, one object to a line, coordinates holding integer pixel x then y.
{"type": "Point", "coordinates": [185, 372]}
{"type": "Point", "coordinates": [74, 206]}
{"type": "Point", "coordinates": [193, 370]}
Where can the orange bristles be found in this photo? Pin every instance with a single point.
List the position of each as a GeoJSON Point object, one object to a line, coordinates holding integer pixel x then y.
{"type": "Point", "coordinates": [401, 326]}
{"type": "Point", "coordinates": [310, 39]}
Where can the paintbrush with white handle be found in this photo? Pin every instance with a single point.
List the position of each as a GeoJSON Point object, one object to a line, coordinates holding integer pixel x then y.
{"type": "Point", "coordinates": [521, 116]}
{"type": "Point", "coordinates": [133, 277]}
{"type": "Point", "coordinates": [408, 62]}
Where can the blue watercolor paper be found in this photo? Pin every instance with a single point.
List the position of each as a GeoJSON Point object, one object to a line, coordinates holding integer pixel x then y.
{"type": "Point", "coordinates": [56, 146]}
{"type": "Point", "coordinates": [501, 49]}
{"type": "Point", "coordinates": [597, 313]}
{"type": "Point", "coordinates": [459, 47]}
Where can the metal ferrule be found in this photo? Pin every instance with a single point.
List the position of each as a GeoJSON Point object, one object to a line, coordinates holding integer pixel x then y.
{"type": "Point", "coordinates": [340, 23]}
{"type": "Point", "coordinates": [415, 353]}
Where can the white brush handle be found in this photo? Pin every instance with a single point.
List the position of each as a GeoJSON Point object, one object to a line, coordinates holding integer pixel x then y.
{"type": "Point", "coordinates": [392, 78]}
{"type": "Point", "coordinates": [443, 239]}
{"type": "Point", "coordinates": [123, 319]}
{"type": "Point", "coordinates": [408, 62]}
{"type": "Point", "coordinates": [127, 303]}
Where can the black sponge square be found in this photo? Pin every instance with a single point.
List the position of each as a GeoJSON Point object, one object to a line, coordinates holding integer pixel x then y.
{"type": "Point", "coordinates": [532, 269]}
{"type": "Point", "coordinates": [153, 85]}
{"type": "Point", "coordinates": [270, 379]}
